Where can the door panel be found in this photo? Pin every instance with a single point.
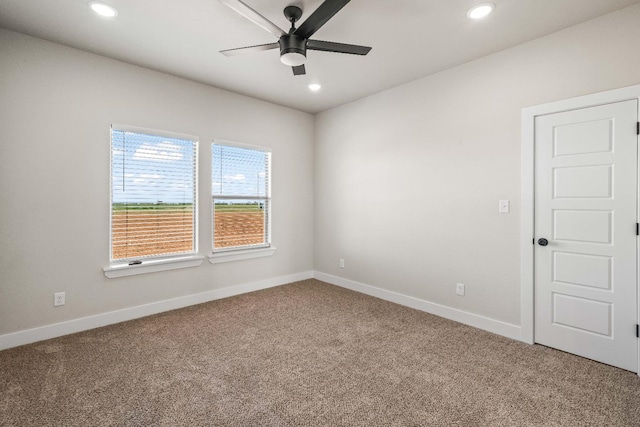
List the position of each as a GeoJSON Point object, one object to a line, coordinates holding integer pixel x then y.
{"type": "Point", "coordinates": [593, 136]}
{"type": "Point", "coordinates": [583, 270]}
{"type": "Point", "coordinates": [583, 181]}
{"type": "Point", "coordinates": [581, 313]}
{"type": "Point", "coordinates": [586, 198]}
{"type": "Point", "coordinates": [582, 225]}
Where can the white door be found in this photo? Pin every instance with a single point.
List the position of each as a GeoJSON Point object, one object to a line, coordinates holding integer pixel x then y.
{"type": "Point", "coordinates": [586, 199]}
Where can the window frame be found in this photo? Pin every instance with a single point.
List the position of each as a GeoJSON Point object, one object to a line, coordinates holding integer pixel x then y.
{"type": "Point", "coordinates": [247, 251]}
{"type": "Point", "coordinates": [123, 266]}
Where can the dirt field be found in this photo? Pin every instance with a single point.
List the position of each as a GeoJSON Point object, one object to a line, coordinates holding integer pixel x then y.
{"type": "Point", "coordinates": [144, 233]}
{"type": "Point", "coordinates": [238, 228]}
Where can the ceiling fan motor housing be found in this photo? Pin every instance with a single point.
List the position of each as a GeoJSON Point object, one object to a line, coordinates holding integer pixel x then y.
{"type": "Point", "coordinates": [293, 49]}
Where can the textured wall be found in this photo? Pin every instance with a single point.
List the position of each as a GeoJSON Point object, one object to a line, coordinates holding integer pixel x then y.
{"type": "Point", "coordinates": [408, 180]}
{"type": "Point", "coordinates": [56, 106]}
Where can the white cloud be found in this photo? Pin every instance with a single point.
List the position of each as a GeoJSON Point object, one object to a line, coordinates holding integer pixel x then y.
{"type": "Point", "coordinates": [150, 179]}
{"type": "Point", "coordinates": [179, 186]}
{"type": "Point", "coordinates": [164, 151]}
{"type": "Point", "coordinates": [236, 177]}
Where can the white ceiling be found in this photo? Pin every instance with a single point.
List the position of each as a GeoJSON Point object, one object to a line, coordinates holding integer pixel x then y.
{"type": "Point", "coordinates": [410, 39]}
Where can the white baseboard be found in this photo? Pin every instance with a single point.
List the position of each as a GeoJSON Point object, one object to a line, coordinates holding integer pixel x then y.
{"type": "Point", "coordinates": [495, 326]}
{"type": "Point", "coordinates": [85, 323]}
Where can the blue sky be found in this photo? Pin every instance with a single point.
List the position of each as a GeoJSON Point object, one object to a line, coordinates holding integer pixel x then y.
{"type": "Point", "coordinates": [238, 171]}
{"type": "Point", "coordinates": [148, 169]}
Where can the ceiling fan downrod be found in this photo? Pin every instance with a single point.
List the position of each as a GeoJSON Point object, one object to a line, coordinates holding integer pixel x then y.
{"type": "Point", "coordinates": [293, 48]}
{"type": "Point", "coordinates": [293, 14]}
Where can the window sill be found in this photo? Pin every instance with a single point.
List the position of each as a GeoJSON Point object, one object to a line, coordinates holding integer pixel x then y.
{"type": "Point", "coordinates": [219, 257]}
{"type": "Point", "coordinates": [152, 266]}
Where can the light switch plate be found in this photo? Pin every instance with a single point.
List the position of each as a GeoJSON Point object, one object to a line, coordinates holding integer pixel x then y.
{"type": "Point", "coordinates": [503, 206]}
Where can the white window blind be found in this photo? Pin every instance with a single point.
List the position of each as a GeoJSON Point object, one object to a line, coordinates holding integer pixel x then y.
{"type": "Point", "coordinates": [153, 194]}
{"type": "Point", "coordinates": [241, 197]}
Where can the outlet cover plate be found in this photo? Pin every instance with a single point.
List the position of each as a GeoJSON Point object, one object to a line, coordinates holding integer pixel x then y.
{"type": "Point", "coordinates": [58, 299]}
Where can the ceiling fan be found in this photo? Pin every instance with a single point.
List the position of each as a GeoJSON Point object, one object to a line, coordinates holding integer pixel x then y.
{"type": "Point", "coordinates": [294, 44]}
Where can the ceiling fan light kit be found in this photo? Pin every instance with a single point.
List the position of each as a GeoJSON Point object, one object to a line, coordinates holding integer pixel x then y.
{"type": "Point", "coordinates": [293, 50]}
{"type": "Point", "coordinates": [294, 44]}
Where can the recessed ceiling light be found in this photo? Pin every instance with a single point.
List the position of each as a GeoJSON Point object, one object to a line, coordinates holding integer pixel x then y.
{"type": "Point", "coordinates": [314, 87]}
{"type": "Point", "coordinates": [103, 9]}
{"type": "Point", "coordinates": [481, 10]}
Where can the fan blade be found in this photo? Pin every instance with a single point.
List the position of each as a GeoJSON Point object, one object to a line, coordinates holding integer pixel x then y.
{"type": "Point", "coordinates": [320, 17]}
{"type": "Point", "coordinates": [299, 70]}
{"type": "Point", "coordinates": [249, 49]}
{"type": "Point", "coordinates": [337, 47]}
{"type": "Point", "coordinates": [254, 17]}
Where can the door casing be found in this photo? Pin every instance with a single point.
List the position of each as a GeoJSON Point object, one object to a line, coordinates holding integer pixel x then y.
{"type": "Point", "coordinates": [527, 232]}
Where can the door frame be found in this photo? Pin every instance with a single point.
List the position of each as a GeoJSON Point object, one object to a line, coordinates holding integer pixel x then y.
{"type": "Point", "coordinates": [527, 186]}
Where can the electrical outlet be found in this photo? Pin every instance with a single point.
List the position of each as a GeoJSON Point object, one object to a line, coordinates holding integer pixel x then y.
{"type": "Point", "coordinates": [460, 289]}
{"type": "Point", "coordinates": [58, 299]}
{"type": "Point", "coordinates": [341, 263]}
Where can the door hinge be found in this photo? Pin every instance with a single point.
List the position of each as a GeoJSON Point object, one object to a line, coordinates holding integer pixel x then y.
{"type": "Point", "coordinates": [637, 229]}
{"type": "Point", "coordinates": [637, 331]}
{"type": "Point", "coordinates": [637, 128]}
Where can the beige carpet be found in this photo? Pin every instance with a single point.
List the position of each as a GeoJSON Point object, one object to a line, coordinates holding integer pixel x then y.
{"type": "Point", "coordinates": [306, 354]}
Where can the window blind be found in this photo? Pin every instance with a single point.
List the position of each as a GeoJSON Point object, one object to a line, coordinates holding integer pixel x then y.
{"type": "Point", "coordinates": [153, 195]}
{"type": "Point", "coordinates": [241, 197]}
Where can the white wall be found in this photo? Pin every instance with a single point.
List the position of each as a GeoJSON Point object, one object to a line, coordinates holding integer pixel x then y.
{"type": "Point", "coordinates": [56, 106]}
{"type": "Point", "coordinates": [408, 180]}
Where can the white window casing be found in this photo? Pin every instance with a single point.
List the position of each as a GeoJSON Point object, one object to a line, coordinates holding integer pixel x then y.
{"type": "Point", "coordinates": [153, 209]}
{"type": "Point", "coordinates": [241, 200]}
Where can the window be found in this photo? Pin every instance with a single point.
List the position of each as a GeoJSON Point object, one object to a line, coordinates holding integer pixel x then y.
{"type": "Point", "coordinates": [241, 197]}
{"type": "Point", "coordinates": [153, 194]}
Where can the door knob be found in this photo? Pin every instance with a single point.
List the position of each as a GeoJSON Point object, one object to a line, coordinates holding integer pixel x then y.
{"type": "Point", "coordinates": [543, 242]}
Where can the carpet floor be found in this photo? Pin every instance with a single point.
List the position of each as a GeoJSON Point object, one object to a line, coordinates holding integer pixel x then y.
{"type": "Point", "coordinates": [306, 354]}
